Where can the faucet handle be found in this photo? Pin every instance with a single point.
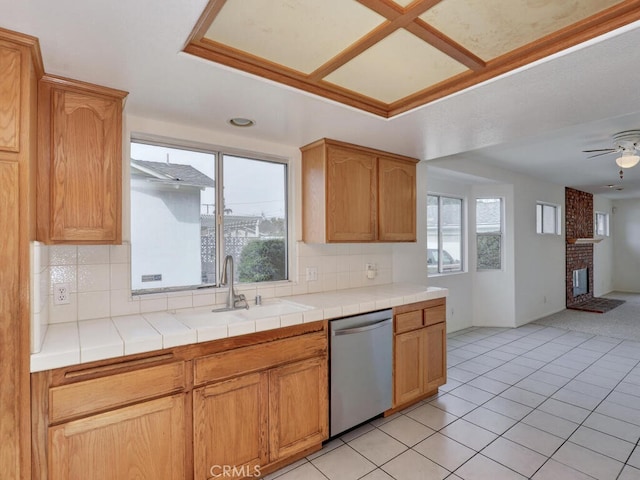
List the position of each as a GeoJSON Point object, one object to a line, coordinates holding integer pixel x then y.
{"type": "Point", "coordinates": [239, 300]}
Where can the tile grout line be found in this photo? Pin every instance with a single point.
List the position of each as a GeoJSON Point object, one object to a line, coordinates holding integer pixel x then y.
{"type": "Point", "coordinates": [602, 354]}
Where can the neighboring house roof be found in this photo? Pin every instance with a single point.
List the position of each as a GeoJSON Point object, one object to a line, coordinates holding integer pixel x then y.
{"type": "Point", "coordinates": [173, 173]}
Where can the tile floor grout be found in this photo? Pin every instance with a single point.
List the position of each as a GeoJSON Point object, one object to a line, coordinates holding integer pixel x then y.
{"type": "Point", "coordinates": [536, 341]}
{"type": "Point", "coordinates": [559, 388]}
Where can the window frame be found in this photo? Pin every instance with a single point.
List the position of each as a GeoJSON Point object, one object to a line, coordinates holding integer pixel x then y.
{"type": "Point", "coordinates": [607, 229]}
{"type": "Point", "coordinates": [540, 218]}
{"type": "Point", "coordinates": [499, 234]}
{"type": "Point", "coordinates": [440, 269]}
{"type": "Point", "coordinates": [219, 152]}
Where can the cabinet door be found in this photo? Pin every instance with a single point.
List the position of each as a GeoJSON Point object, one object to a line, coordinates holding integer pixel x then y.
{"type": "Point", "coordinates": [408, 382]}
{"type": "Point", "coordinates": [85, 167]}
{"type": "Point", "coordinates": [141, 441]}
{"type": "Point", "coordinates": [298, 408]}
{"type": "Point", "coordinates": [436, 361]}
{"type": "Point", "coordinates": [397, 200]}
{"type": "Point", "coordinates": [230, 427]}
{"type": "Point", "coordinates": [351, 195]}
{"type": "Point", "coordinates": [10, 93]}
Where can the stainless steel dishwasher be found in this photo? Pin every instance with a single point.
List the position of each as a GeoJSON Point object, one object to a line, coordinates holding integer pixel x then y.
{"type": "Point", "coordinates": [361, 368]}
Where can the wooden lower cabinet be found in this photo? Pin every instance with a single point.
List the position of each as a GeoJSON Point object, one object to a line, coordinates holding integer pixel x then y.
{"type": "Point", "coordinates": [435, 339]}
{"type": "Point", "coordinates": [231, 426]}
{"type": "Point", "coordinates": [420, 363]}
{"type": "Point", "coordinates": [231, 408]}
{"type": "Point", "coordinates": [409, 366]}
{"type": "Point", "coordinates": [298, 408]}
{"type": "Point", "coordinates": [146, 440]}
{"type": "Point", "coordinates": [254, 420]}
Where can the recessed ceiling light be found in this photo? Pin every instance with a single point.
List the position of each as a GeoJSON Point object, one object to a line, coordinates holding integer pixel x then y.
{"type": "Point", "coordinates": [241, 122]}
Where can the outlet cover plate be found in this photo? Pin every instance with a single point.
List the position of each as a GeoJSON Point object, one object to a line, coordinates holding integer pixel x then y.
{"type": "Point", "coordinates": [61, 293]}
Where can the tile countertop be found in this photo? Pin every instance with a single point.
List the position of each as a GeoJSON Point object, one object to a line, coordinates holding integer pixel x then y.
{"type": "Point", "coordinates": [88, 340]}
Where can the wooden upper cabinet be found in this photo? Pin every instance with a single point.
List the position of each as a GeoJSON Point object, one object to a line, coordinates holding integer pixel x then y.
{"type": "Point", "coordinates": [79, 163]}
{"type": "Point", "coordinates": [10, 87]}
{"type": "Point", "coordinates": [397, 200]}
{"type": "Point", "coordinates": [357, 194]}
{"type": "Point", "coordinates": [351, 195]}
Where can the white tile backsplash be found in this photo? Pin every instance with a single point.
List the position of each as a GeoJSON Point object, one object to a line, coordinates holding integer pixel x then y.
{"type": "Point", "coordinates": [93, 278]}
{"type": "Point", "coordinates": [99, 278]}
{"type": "Point", "coordinates": [94, 305]}
{"type": "Point", "coordinates": [93, 254]}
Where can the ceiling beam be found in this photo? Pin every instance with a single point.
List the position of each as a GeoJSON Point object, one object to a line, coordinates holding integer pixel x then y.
{"type": "Point", "coordinates": [446, 45]}
{"type": "Point", "coordinates": [396, 18]}
{"type": "Point", "coordinates": [424, 31]}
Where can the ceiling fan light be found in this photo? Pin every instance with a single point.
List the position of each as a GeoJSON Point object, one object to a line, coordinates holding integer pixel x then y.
{"type": "Point", "coordinates": [627, 160]}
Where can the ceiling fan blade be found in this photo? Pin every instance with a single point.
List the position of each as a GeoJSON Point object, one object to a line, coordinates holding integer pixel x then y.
{"type": "Point", "coordinates": [600, 150]}
{"type": "Point", "coordinates": [600, 154]}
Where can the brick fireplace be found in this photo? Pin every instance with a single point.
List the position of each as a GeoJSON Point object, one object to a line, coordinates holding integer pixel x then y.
{"type": "Point", "coordinates": [578, 224]}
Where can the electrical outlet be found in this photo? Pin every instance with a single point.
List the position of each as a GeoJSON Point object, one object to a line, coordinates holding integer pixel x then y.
{"type": "Point", "coordinates": [371, 269]}
{"type": "Point", "coordinates": [312, 274]}
{"type": "Point", "coordinates": [61, 294]}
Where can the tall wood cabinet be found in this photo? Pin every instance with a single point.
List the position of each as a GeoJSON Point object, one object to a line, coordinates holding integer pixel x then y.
{"type": "Point", "coordinates": [420, 352]}
{"type": "Point", "coordinates": [80, 162]}
{"type": "Point", "coordinates": [357, 194]}
{"type": "Point", "coordinates": [20, 69]}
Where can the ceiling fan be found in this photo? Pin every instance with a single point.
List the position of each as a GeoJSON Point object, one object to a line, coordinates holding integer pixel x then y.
{"type": "Point", "coordinates": [626, 143]}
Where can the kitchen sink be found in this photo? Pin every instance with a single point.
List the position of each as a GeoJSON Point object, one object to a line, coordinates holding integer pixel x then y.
{"type": "Point", "coordinates": [271, 308]}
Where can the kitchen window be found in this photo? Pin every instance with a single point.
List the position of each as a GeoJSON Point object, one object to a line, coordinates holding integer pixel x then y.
{"type": "Point", "coordinates": [602, 224]}
{"type": "Point", "coordinates": [489, 230]}
{"type": "Point", "coordinates": [444, 234]}
{"type": "Point", "coordinates": [547, 218]}
{"type": "Point", "coordinates": [190, 207]}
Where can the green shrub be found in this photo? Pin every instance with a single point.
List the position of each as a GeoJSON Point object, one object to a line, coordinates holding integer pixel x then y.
{"type": "Point", "coordinates": [262, 261]}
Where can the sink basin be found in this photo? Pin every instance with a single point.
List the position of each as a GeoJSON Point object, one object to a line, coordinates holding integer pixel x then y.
{"type": "Point", "coordinates": [271, 308]}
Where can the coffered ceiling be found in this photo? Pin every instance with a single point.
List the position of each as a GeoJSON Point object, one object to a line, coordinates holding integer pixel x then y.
{"type": "Point", "coordinates": [387, 57]}
{"type": "Point", "coordinates": [535, 120]}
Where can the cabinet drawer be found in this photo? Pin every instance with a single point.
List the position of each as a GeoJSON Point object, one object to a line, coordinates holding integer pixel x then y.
{"type": "Point", "coordinates": [408, 321]}
{"type": "Point", "coordinates": [77, 399]}
{"type": "Point", "coordinates": [254, 358]}
{"type": "Point", "coordinates": [435, 314]}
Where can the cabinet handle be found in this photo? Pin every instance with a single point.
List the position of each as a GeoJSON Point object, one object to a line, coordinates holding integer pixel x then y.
{"type": "Point", "coordinates": [117, 366]}
{"type": "Point", "coordinates": [373, 326]}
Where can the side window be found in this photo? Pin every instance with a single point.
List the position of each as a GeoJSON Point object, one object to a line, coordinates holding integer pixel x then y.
{"type": "Point", "coordinates": [190, 208]}
{"type": "Point", "coordinates": [489, 232]}
{"type": "Point", "coordinates": [444, 234]}
{"type": "Point", "coordinates": [548, 218]}
{"type": "Point", "coordinates": [602, 224]}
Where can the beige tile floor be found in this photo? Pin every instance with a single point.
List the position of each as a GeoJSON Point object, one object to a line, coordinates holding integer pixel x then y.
{"type": "Point", "coordinates": [533, 402]}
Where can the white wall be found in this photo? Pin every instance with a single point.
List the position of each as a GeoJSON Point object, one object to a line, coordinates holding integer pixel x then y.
{"type": "Point", "coordinates": [539, 259]}
{"type": "Point", "coordinates": [459, 304]}
{"type": "Point", "coordinates": [531, 284]}
{"type": "Point", "coordinates": [625, 232]}
{"type": "Point", "coordinates": [493, 292]}
{"type": "Point", "coordinates": [603, 251]}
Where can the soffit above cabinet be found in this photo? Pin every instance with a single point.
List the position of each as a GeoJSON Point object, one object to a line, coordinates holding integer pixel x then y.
{"type": "Point", "coordinates": [387, 57]}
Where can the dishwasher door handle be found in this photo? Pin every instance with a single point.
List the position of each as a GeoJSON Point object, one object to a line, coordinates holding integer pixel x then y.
{"type": "Point", "coordinates": [365, 328]}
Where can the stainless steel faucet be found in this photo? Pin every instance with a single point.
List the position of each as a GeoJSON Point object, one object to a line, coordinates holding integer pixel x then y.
{"type": "Point", "coordinates": [234, 300]}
